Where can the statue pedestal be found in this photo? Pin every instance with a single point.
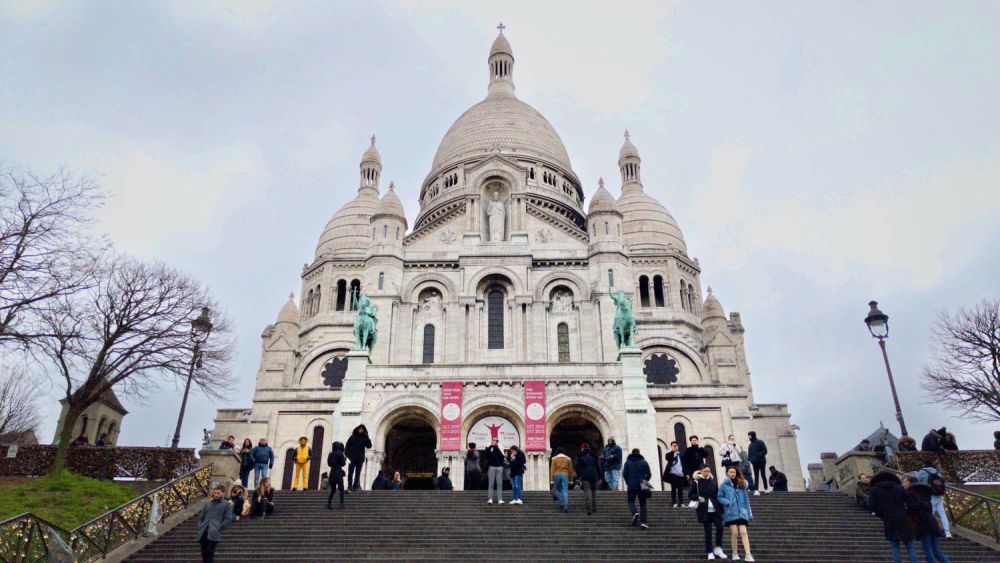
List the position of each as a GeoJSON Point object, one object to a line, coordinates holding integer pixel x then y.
{"type": "Point", "coordinates": [852, 464]}
{"type": "Point", "coordinates": [225, 465]}
{"type": "Point", "coordinates": [347, 415]}
{"type": "Point", "coordinates": [640, 416]}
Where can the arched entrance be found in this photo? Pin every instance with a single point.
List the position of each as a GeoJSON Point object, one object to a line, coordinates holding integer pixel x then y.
{"type": "Point", "coordinates": [571, 431]}
{"type": "Point", "coordinates": [409, 449]}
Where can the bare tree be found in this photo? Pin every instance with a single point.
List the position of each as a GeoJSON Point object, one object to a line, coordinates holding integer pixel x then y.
{"type": "Point", "coordinates": [45, 249]}
{"type": "Point", "coordinates": [966, 370]}
{"type": "Point", "coordinates": [18, 402]}
{"type": "Point", "coordinates": [130, 331]}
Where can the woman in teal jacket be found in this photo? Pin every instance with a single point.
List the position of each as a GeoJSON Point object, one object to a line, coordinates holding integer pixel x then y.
{"type": "Point", "coordinates": [736, 510]}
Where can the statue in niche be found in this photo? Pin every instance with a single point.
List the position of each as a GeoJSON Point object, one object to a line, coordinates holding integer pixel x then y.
{"type": "Point", "coordinates": [562, 301]}
{"type": "Point", "coordinates": [431, 302]}
{"type": "Point", "coordinates": [496, 212]}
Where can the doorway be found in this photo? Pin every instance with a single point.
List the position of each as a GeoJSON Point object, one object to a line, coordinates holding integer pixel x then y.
{"type": "Point", "coordinates": [572, 431]}
{"type": "Point", "coordinates": [409, 449]}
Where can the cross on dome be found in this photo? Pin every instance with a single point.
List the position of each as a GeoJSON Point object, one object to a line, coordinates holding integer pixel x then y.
{"type": "Point", "coordinates": [709, 290]}
{"type": "Point", "coordinates": [373, 139]}
{"type": "Point", "coordinates": [600, 182]}
{"type": "Point", "coordinates": [501, 27]}
{"type": "Point", "coordinates": [626, 135]}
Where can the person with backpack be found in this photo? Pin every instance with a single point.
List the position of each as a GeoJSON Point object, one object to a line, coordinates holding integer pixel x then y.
{"type": "Point", "coordinates": [929, 475]}
{"type": "Point", "coordinates": [887, 499]}
{"type": "Point", "coordinates": [636, 475]}
{"type": "Point", "coordinates": [730, 453]}
{"type": "Point", "coordinates": [214, 517]}
{"type": "Point", "coordinates": [303, 455]}
{"type": "Point", "coordinates": [355, 452]}
{"type": "Point", "coordinates": [517, 462]}
{"type": "Point", "coordinates": [587, 472]}
{"type": "Point", "coordinates": [918, 508]}
{"type": "Point", "coordinates": [736, 511]}
{"type": "Point", "coordinates": [706, 493]}
{"type": "Point", "coordinates": [757, 451]}
{"type": "Point", "coordinates": [674, 475]}
{"type": "Point", "coordinates": [263, 460]}
{"type": "Point", "coordinates": [336, 460]}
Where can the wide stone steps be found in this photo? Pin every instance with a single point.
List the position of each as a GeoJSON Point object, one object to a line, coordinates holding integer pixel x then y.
{"type": "Point", "coordinates": [433, 525]}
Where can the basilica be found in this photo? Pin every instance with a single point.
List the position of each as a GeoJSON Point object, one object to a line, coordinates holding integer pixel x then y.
{"type": "Point", "coordinates": [495, 312]}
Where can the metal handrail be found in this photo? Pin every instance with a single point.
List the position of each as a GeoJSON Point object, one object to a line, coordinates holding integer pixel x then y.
{"type": "Point", "coordinates": [966, 508]}
{"type": "Point", "coordinates": [22, 538]}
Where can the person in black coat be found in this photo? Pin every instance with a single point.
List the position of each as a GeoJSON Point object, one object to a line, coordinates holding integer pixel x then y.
{"type": "Point", "coordinates": [355, 452]}
{"type": "Point", "coordinates": [443, 482]}
{"type": "Point", "coordinates": [925, 527]}
{"type": "Point", "coordinates": [246, 461]}
{"type": "Point", "coordinates": [705, 491]}
{"type": "Point", "coordinates": [336, 460]}
{"type": "Point", "coordinates": [887, 499]}
{"type": "Point", "coordinates": [931, 442]}
{"type": "Point", "coordinates": [674, 474]}
{"type": "Point", "coordinates": [757, 452]}
{"type": "Point", "coordinates": [693, 458]}
{"type": "Point", "coordinates": [587, 470]}
{"type": "Point", "coordinates": [518, 462]}
{"type": "Point", "coordinates": [635, 471]}
{"type": "Point", "coordinates": [778, 480]}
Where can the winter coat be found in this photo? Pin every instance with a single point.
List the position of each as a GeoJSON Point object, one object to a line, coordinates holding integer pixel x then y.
{"type": "Point", "coordinates": [357, 444]}
{"type": "Point", "coordinates": [778, 481]}
{"type": "Point", "coordinates": [494, 456]}
{"type": "Point", "coordinates": [246, 459]}
{"type": "Point", "coordinates": [444, 483]}
{"type": "Point", "coordinates": [918, 508]}
{"type": "Point", "coordinates": [757, 451]}
{"type": "Point", "coordinates": [472, 462]}
{"type": "Point", "coordinates": [672, 458]}
{"type": "Point", "coordinates": [561, 465]}
{"type": "Point", "coordinates": [948, 443]}
{"type": "Point", "coordinates": [735, 502]}
{"type": "Point", "coordinates": [381, 483]}
{"type": "Point", "coordinates": [729, 454]}
{"type": "Point", "coordinates": [262, 454]}
{"type": "Point", "coordinates": [586, 466]}
{"type": "Point", "coordinates": [612, 457]}
{"type": "Point", "coordinates": [336, 460]}
{"type": "Point", "coordinates": [926, 474]}
{"type": "Point", "coordinates": [260, 503]}
{"type": "Point", "coordinates": [225, 445]}
{"type": "Point", "coordinates": [636, 471]}
{"type": "Point", "coordinates": [705, 488]}
{"type": "Point", "coordinates": [931, 442]}
{"type": "Point", "coordinates": [517, 464]}
{"type": "Point", "coordinates": [887, 499]}
{"type": "Point", "coordinates": [214, 517]}
{"type": "Point", "coordinates": [693, 459]}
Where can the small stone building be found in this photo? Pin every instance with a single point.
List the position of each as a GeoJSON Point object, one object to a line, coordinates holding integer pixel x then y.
{"type": "Point", "coordinates": [102, 417]}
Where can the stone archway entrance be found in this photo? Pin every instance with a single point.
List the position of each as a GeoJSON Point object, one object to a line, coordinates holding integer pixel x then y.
{"type": "Point", "coordinates": [409, 449]}
{"type": "Point", "coordinates": [573, 430]}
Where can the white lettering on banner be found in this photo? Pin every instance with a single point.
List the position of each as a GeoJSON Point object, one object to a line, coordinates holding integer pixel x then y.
{"type": "Point", "coordinates": [486, 428]}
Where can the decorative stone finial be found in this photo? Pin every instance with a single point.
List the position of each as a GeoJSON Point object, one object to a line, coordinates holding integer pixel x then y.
{"type": "Point", "coordinates": [600, 182]}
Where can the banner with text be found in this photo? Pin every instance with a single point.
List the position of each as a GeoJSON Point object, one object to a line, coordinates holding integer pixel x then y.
{"type": "Point", "coordinates": [451, 416]}
{"type": "Point", "coordinates": [534, 416]}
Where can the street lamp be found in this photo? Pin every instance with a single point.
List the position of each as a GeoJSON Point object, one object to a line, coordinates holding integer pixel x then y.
{"type": "Point", "coordinates": [878, 325]}
{"type": "Point", "coordinates": [200, 329]}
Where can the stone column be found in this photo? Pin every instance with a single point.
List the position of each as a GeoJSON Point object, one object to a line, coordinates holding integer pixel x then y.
{"type": "Point", "coordinates": [640, 416]}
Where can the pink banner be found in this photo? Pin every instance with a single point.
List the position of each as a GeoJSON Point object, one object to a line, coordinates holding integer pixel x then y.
{"type": "Point", "coordinates": [451, 416]}
{"type": "Point", "coordinates": [534, 416]}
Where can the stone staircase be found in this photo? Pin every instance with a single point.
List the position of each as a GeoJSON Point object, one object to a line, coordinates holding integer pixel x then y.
{"type": "Point", "coordinates": [787, 527]}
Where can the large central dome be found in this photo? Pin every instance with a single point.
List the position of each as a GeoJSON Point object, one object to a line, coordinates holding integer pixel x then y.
{"type": "Point", "coordinates": [501, 123]}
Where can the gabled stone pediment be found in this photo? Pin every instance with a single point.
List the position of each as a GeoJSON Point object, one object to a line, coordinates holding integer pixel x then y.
{"type": "Point", "coordinates": [279, 344]}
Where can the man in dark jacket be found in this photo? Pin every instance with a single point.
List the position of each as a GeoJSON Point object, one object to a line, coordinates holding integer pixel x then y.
{"type": "Point", "coordinates": [517, 462]}
{"type": "Point", "coordinates": [263, 460]}
{"type": "Point", "coordinates": [925, 527]}
{"type": "Point", "coordinates": [693, 458]}
{"type": "Point", "coordinates": [229, 443]}
{"type": "Point", "coordinates": [381, 482]}
{"type": "Point", "coordinates": [887, 500]}
{"type": "Point", "coordinates": [705, 492]}
{"type": "Point", "coordinates": [336, 460]}
{"type": "Point", "coordinates": [636, 471]}
{"type": "Point", "coordinates": [931, 442]}
{"type": "Point", "coordinates": [778, 480]}
{"type": "Point", "coordinates": [494, 459]}
{"type": "Point", "coordinates": [757, 452]}
{"type": "Point", "coordinates": [355, 452]}
{"type": "Point", "coordinates": [586, 469]}
{"type": "Point", "coordinates": [611, 461]}
{"type": "Point", "coordinates": [213, 518]}
{"type": "Point", "coordinates": [674, 474]}
{"type": "Point", "coordinates": [444, 481]}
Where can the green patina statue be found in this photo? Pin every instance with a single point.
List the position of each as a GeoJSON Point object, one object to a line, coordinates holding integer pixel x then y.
{"type": "Point", "coordinates": [365, 329]}
{"type": "Point", "coordinates": [624, 321]}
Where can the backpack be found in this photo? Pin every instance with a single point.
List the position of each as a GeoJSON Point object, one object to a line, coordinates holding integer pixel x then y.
{"type": "Point", "coordinates": [936, 481]}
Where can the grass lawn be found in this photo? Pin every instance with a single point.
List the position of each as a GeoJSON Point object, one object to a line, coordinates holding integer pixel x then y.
{"type": "Point", "coordinates": [993, 494]}
{"type": "Point", "coordinates": [66, 500]}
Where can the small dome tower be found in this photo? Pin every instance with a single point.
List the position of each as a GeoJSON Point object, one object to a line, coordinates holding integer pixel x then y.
{"type": "Point", "coordinates": [647, 225]}
{"type": "Point", "coordinates": [389, 220]}
{"type": "Point", "coordinates": [501, 63]}
{"type": "Point", "coordinates": [604, 221]}
{"type": "Point", "coordinates": [348, 233]}
{"type": "Point", "coordinates": [371, 167]}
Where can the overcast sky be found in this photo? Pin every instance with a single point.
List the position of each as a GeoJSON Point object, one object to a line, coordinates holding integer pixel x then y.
{"type": "Point", "coordinates": [816, 156]}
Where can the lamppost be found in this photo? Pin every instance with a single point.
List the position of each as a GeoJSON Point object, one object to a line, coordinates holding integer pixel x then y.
{"type": "Point", "coordinates": [200, 329]}
{"type": "Point", "coordinates": [878, 325]}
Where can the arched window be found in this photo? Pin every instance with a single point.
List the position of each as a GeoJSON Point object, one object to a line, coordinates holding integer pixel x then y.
{"type": "Point", "coordinates": [643, 291]}
{"type": "Point", "coordinates": [680, 436]}
{"type": "Point", "coordinates": [611, 278]}
{"type": "Point", "coordinates": [355, 292]}
{"type": "Point", "coordinates": [562, 334]}
{"type": "Point", "coordinates": [428, 344]}
{"type": "Point", "coordinates": [658, 290]}
{"type": "Point", "coordinates": [494, 319]}
{"type": "Point", "coordinates": [307, 303]}
{"type": "Point", "coordinates": [85, 419]}
{"type": "Point", "coordinates": [397, 233]}
{"type": "Point", "coordinates": [607, 229]}
{"type": "Point", "coordinates": [691, 303]}
{"type": "Point", "coordinates": [385, 231]}
{"type": "Point", "coordinates": [381, 279]}
{"type": "Point", "coordinates": [341, 294]}
{"type": "Point", "coordinates": [684, 298]}
{"type": "Point", "coordinates": [317, 299]}
{"type": "Point", "coordinates": [100, 428]}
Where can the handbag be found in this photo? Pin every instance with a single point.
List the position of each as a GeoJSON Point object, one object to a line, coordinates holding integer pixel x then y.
{"type": "Point", "coordinates": [645, 488]}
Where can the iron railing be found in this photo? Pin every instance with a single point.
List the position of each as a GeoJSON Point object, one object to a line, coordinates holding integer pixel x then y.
{"type": "Point", "coordinates": [969, 510]}
{"type": "Point", "coordinates": [25, 538]}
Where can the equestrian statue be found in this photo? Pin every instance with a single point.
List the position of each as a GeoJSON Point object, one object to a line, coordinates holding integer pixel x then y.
{"type": "Point", "coordinates": [624, 321]}
{"type": "Point", "coordinates": [365, 329]}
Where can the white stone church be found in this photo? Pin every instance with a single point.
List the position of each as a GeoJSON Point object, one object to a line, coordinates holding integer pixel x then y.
{"type": "Point", "coordinates": [505, 277]}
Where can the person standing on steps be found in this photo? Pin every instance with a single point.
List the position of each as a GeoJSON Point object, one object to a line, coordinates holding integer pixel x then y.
{"type": "Point", "coordinates": [887, 499]}
{"type": "Point", "coordinates": [517, 463]}
{"type": "Point", "coordinates": [611, 460]}
{"type": "Point", "coordinates": [693, 459]}
{"type": "Point", "coordinates": [336, 460]}
{"type": "Point", "coordinates": [730, 453]}
{"type": "Point", "coordinates": [213, 518]}
{"type": "Point", "coordinates": [746, 469]}
{"type": "Point", "coordinates": [758, 458]}
{"type": "Point", "coordinates": [925, 527]}
{"type": "Point", "coordinates": [494, 463]}
{"type": "Point", "coordinates": [472, 471]}
{"type": "Point", "coordinates": [263, 460]}
{"type": "Point", "coordinates": [674, 475]}
{"type": "Point", "coordinates": [246, 461]}
{"type": "Point", "coordinates": [636, 474]}
{"type": "Point", "coordinates": [705, 491]}
{"type": "Point", "coordinates": [932, 477]}
{"type": "Point", "coordinates": [443, 482]}
{"type": "Point", "coordinates": [561, 472]}
{"type": "Point", "coordinates": [303, 455]}
{"type": "Point", "coordinates": [736, 513]}
{"type": "Point", "coordinates": [355, 452]}
{"type": "Point", "coordinates": [778, 480]}
{"type": "Point", "coordinates": [586, 470]}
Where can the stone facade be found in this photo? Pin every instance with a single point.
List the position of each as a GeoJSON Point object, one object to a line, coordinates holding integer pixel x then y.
{"type": "Point", "coordinates": [504, 278]}
{"type": "Point", "coordinates": [103, 417]}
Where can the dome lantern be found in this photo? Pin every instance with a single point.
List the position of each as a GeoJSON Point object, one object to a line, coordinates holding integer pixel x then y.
{"type": "Point", "coordinates": [628, 162]}
{"type": "Point", "coordinates": [371, 167]}
{"type": "Point", "coordinates": [501, 65]}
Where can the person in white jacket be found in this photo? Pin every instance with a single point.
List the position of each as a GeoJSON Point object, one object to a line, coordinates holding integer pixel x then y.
{"type": "Point", "coordinates": [730, 453]}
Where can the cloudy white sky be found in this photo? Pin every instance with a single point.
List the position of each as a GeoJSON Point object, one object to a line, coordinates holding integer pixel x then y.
{"type": "Point", "coordinates": [815, 156]}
